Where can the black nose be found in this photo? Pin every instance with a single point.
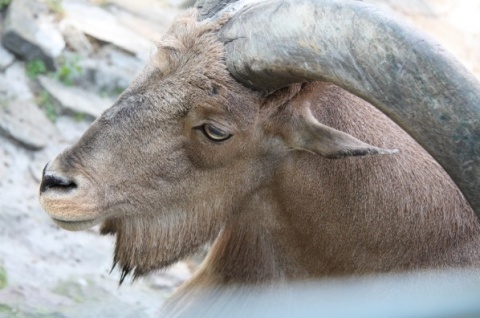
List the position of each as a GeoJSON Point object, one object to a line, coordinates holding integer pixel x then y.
{"type": "Point", "coordinates": [57, 182]}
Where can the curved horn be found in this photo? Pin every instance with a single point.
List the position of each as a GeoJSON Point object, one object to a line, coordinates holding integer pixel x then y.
{"type": "Point", "coordinates": [394, 67]}
{"type": "Point", "coordinates": [208, 8]}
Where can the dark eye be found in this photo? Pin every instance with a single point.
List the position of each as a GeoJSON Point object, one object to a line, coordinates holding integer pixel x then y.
{"type": "Point", "coordinates": [214, 133]}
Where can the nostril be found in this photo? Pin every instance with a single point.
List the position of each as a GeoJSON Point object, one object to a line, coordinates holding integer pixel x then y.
{"type": "Point", "coordinates": [51, 181]}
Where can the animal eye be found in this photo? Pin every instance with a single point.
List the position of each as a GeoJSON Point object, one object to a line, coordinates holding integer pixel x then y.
{"type": "Point", "coordinates": [214, 133]}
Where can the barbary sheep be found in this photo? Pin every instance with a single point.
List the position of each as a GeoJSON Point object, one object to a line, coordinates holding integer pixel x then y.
{"type": "Point", "coordinates": [253, 128]}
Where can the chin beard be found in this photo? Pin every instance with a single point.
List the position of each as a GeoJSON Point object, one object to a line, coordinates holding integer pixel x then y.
{"type": "Point", "coordinates": [145, 243]}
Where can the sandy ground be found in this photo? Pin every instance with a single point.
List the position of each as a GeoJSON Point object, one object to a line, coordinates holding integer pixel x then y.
{"type": "Point", "coordinates": [49, 272]}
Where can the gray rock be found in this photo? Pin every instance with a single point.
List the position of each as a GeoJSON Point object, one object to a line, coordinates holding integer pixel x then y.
{"type": "Point", "coordinates": [70, 129]}
{"type": "Point", "coordinates": [170, 278]}
{"type": "Point", "coordinates": [6, 161]}
{"type": "Point", "coordinates": [107, 78]}
{"type": "Point", "coordinates": [408, 7]}
{"type": "Point", "coordinates": [102, 25]}
{"type": "Point", "coordinates": [153, 10]}
{"type": "Point", "coordinates": [75, 100]}
{"type": "Point", "coordinates": [14, 83]}
{"type": "Point", "coordinates": [181, 3]}
{"type": "Point", "coordinates": [24, 122]}
{"type": "Point", "coordinates": [76, 39]}
{"type": "Point", "coordinates": [119, 59]}
{"type": "Point", "coordinates": [6, 59]}
{"type": "Point", "coordinates": [414, 7]}
{"type": "Point", "coordinates": [151, 29]}
{"type": "Point", "coordinates": [35, 298]}
{"type": "Point", "coordinates": [20, 118]}
{"type": "Point", "coordinates": [111, 70]}
{"type": "Point", "coordinates": [29, 32]}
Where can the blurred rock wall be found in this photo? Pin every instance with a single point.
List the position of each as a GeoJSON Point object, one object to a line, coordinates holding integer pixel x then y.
{"type": "Point", "coordinates": [454, 23]}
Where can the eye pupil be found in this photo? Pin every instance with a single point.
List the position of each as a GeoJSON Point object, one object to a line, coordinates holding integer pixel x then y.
{"type": "Point", "coordinates": [215, 133]}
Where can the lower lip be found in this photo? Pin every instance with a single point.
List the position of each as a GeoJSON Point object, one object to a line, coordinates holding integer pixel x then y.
{"type": "Point", "coordinates": [76, 225]}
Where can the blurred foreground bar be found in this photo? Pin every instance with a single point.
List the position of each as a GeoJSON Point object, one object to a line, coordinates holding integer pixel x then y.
{"type": "Point", "coordinates": [426, 294]}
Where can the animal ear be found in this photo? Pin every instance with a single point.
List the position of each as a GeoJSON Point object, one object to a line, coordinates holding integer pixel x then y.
{"type": "Point", "coordinates": [312, 136]}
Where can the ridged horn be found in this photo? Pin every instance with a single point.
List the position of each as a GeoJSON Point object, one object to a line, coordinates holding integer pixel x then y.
{"type": "Point", "coordinates": [208, 8]}
{"type": "Point", "coordinates": [393, 66]}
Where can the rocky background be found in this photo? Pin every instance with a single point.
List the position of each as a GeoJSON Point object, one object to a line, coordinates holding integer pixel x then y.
{"type": "Point", "coordinates": [62, 62]}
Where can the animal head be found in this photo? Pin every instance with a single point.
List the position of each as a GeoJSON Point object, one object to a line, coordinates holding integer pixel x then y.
{"type": "Point", "coordinates": [168, 164]}
{"type": "Point", "coordinates": [159, 165]}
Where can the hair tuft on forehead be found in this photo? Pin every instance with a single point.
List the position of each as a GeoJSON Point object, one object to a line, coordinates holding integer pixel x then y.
{"type": "Point", "coordinates": [190, 42]}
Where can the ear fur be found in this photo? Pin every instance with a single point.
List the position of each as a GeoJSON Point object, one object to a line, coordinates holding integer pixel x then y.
{"type": "Point", "coordinates": [310, 135]}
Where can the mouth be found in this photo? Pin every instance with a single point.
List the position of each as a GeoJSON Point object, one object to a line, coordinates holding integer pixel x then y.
{"type": "Point", "coordinates": [76, 225]}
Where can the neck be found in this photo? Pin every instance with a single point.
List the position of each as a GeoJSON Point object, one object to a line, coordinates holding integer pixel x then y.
{"type": "Point", "coordinates": [246, 250]}
{"type": "Point", "coordinates": [276, 236]}
{"type": "Point", "coordinates": [282, 233]}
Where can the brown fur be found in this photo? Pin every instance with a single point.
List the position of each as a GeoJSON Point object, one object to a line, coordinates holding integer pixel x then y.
{"type": "Point", "coordinates": [274, 212]}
